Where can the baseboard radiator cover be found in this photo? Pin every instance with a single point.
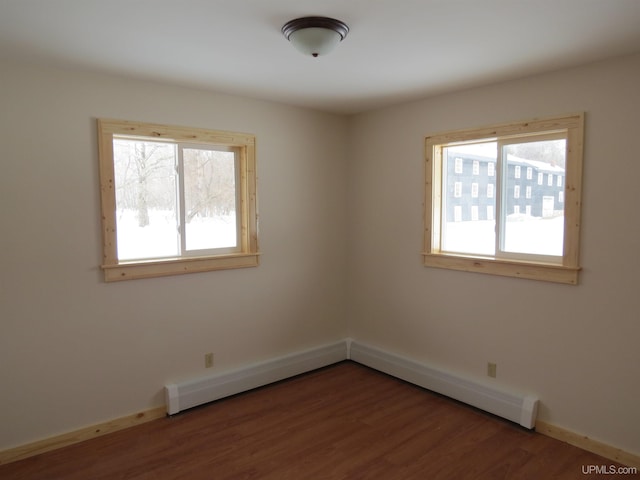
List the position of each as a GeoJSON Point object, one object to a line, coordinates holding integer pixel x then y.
{"type": "Point", "coordinates": [190, 393]}
{"type": "Point", "coordinates": [519, 408]}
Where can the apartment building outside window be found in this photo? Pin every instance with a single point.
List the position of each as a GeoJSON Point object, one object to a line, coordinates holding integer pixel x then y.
{"type": "Point", "coordinates": [534, 225]}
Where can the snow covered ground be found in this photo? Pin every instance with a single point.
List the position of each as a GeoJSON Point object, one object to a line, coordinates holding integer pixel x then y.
{"type": "Point", "coordinates": [524, 234]}
{"type": "Point", "coordinates": [160, 238]}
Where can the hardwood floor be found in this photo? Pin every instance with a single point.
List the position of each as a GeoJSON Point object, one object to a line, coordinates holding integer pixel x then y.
{"type": "Point", "coordinates": [341, 422]}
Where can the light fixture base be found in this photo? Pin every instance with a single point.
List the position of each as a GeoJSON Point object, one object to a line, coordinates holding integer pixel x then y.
{"type": "Point", "coordinates": [315, 35]}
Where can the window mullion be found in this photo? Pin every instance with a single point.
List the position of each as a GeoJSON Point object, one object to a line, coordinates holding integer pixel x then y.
{"type": "Point", "coordinates": [182, 238]}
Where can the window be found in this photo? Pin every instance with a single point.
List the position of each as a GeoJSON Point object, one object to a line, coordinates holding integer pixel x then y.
{"type": "Point", "coordinates": [458, 165]}
{"type": "Point", "coordinates": [491, 169]}
{"type": "Point", "coordinates": [541, 245]}
{"type": "Point", "coordinates": [476, 167]}
{"type": "Point", "coordinates": [457, 213]}
{"type": "Point", "coordinates": [474, 190]}
{"type": "Point", "coordinates": [490, 188]}
{"type": "Point", "coordinates": [175, 200]}
{"type": "Point", "coordinates": [529, 173]}
{"type": "Point", "coordinates": [517, 172]}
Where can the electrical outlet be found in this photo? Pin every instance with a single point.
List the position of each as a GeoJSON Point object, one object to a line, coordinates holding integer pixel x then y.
{"type": "Point", "coordinates": [491, 369]}
{"type": "Point", "coordinates": [208, 360]}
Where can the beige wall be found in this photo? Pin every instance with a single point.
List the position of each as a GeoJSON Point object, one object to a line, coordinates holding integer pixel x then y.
{"type": "Point", "coordinates": [576, 347]}
{"type": "Point", "coordinates": [75, 351]}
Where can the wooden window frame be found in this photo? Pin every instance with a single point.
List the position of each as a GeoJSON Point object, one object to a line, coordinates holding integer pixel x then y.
{"type": "Point", "coordinates": [567, 271]}
{"type": "Point", "coordinates": [248, 256]}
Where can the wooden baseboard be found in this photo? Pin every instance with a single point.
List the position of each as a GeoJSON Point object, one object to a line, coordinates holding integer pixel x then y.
{"type": "Point", "coordinates": [586, 443]}
{"type": "Point", "coordinates": [87, 433]}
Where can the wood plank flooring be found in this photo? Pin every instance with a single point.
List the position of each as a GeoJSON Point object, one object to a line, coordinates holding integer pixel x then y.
{"type": "Point", "coordinates": [342, 422]}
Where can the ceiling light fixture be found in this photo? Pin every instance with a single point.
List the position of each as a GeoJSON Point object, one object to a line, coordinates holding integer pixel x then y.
{"type": "Point", "coordinates": [315, 35]}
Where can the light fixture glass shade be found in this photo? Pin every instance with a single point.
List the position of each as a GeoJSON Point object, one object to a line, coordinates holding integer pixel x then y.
{"type": "Point", "coordinates": [315, 41]}
{"type": "Point", "coordinates": [315, 35]}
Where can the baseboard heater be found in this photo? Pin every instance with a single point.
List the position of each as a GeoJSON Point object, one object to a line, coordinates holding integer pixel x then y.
{"type": "Point", "coordinates": [198, 391]}
{"type": "Point", "coordinates": [518, 408]}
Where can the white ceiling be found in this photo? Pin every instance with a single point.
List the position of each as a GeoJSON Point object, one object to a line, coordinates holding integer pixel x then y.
{"type": "Point", "coordinates": [397, 50]}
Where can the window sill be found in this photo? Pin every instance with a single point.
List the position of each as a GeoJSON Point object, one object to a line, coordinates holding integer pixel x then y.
{"type": "Point", "coordinates": [508, 268]}
{"type": "Point", "coordinates": [177, 266]}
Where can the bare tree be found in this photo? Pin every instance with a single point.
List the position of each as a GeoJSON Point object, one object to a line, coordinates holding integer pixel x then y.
{"type": "Point", "coordinates": [209, 183]}
{"type": "Point", "coordinates": [142, 169]}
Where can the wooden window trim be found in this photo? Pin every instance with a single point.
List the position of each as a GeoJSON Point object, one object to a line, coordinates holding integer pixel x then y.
{"type": "Point", "coordinates": [566, 272]}
{"type": "Point", "coordinates": [115, 270]}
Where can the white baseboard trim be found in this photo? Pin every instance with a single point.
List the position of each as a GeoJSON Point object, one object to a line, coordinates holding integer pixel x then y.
{"type": "Point", "coordinates": [517, 407]}
{"type": "Point", "coordinates": [197, 391]}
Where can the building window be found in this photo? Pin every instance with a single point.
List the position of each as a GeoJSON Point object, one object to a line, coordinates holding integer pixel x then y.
{"type": "Point", "coordinates": [457, 213]}
{"type": "Point", "coordinates": [550, 180]}
{"type": "Point", "coordinates": [491, 169]}
{"type": "Point", "coordinates": [529, 173]}
{"type": "Point", "coordinates": [457, 190]}
{"type": "Point", "coordinates": [490, 188]}
{"type": "Point", "coordinates": [517, 171]}
{"type": "Point", "coordinates": [175, 200]}
{"type": "Point", "coordinates": [507, 245]}
{"type": "Point", "coordinates": [559, 183]}
{"type": "Point", "coordinates": [458, 165]}
{"type": "Point", "coordinates": [540, 178]}
{"type": "Point", "coordinates": [476, 167]}
{"type": "Point", "coordinates": [474, 190]}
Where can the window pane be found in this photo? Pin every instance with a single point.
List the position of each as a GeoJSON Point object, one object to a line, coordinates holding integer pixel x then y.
{"type": "Point", "coordinates": [146, 214]}
{"type": "Point", "coordinates": [210, 199]}
{"type": "Point", "coordinates": [468, 203]}
{"type": "Point", "coordinates": [540, 230]}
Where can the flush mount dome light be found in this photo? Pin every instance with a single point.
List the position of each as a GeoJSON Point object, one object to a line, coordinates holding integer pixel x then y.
{"type": "Point", "coordinates": [315, 35]}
